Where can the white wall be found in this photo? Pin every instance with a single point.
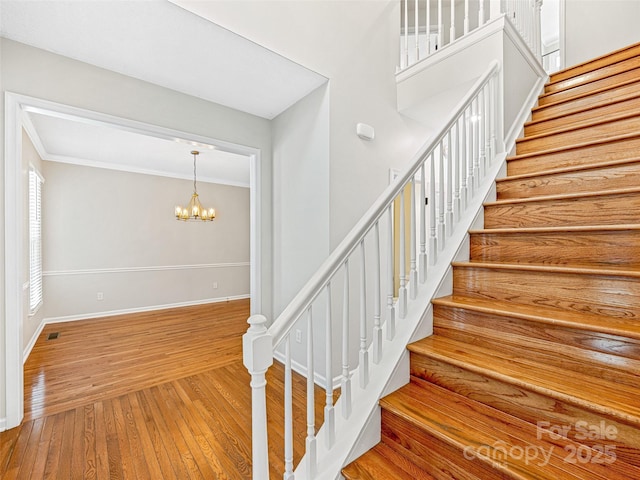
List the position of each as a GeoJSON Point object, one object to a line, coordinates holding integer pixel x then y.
{"type": "Point", "coordinates": [596, 27]}
{"type": "Point", "coordinates": [37, 73]}
{"type": "Point", "coordinates": [354, 44]}
{"type": "Point", "coordinates": [114, 232]}
{"type": "Point", "coordinates": [300, 194]}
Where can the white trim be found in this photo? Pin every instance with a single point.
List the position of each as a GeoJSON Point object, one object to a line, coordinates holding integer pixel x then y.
{"type": "Point", "coordinates": [255, 235]}
{"type": "Point", "coordinates": [150, 308]}
{"type": "Point", "coordinates": [524, 49]}
{"type": "Point", "coordinates": [155, 268]}
{"type": "Point", "coordinates": [32, 342]}
{"type": "Point", "coordinates": [562, 25]}
{"type": "Point", "coordinates": [142, 171]}
{"type": "Point", "coordinates": [3, 424]}
{"type": "Point", "coordinates": [517, 126]}
{"type": "Point", "coordinates": [14, 273]}
{"type": "Point", "coordinates": [15, 105]}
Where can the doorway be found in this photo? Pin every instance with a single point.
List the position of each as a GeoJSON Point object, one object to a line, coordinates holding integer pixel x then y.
{"type": "Point", "coordinates": [17, 107]}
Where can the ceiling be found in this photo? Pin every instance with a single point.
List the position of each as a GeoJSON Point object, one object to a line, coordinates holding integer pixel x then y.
{"type": "Point", "coordinates": [73, 140]}
{"type": "Point", "coordinates": [161, 43]}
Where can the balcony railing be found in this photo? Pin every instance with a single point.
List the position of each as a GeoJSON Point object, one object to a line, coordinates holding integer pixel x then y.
{"type": "Point", "coordinates": [428, 26]}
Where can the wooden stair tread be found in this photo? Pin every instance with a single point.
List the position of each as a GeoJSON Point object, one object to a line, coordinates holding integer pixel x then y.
{"type": "Point", "coordinates": [595, 394]}
{"type": "Point", "coordinates": [606, 103]}
{"type": "Point", "coordinates": [607, 366]}
{"type": "Point", "coordinates": [383, 463]}
{"type": "Point", "coordinates": [607, 59]}
{"type": "Point", "coordinates": [474, 427]}
{"type": "Point", "coordinates": [586, 78]}
{"type": "Point", "coordinates": [574, 128]}
{"type": "Point", "coordinates": [576, 146]}
{"type": "Point", "coordinates": [569, 169]}
{"type": "Point", "coordinates": [539, 313]}
{"type": "Point", "coordinates": [581, 95]}
{"type": "Point", "coordinates": [579, 228]}
{"type": "Point", "coordinates": [567, 196]}
{"type": "Point", "coordinates": [624, 73]}
{"type": "Point", "coordinates": [594, 99]}
{"type": "Point", "coordinates": [609, 270]}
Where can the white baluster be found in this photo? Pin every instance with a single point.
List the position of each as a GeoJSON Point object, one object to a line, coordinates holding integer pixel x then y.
{"type": "Point", "coordinates": [537, 27]}
{"type": "Point", "coordinates": [481, 131]}
{"type": "Point", "coordinates": [377, 329]}
{"type": "Point", "coordinates": [433, 239]}
{"type": "Point", "coordinates": [466, 16]}
{"type": "Point", "coordinates": [391, 310]}
{"type": "Point", "coordinates": [494, 114]}
{"type": "Point", "coordinates": [345, 391]}
{"type": "Point", "coordinates": [428, 21]}
{"type": "Point", "coordinates": [413, 272]}
{"type": "Point", "coordinates": [364, 353]}
{"type": "Point", "coordinates": [486, 95]}
{"type": "Point", "coordinates": [440, 25]}
{"type": "Point", "coordinates": [456, 169]}
{"type": "Point", "coordinates": [406, 33]}
{"type": "Point", "coordinates": [476, 153]}
{"type": "Point", "coordinates": [422, 258]}
{"type": "Point", "coordinates": [329, 413]}
{"type": "Point", "coordinates": [469, 148]}
{"type": "Point", "coordinates": [452, 30]}
{"type": "Point", "coordinates": [257, 357]}
{"type": "Point", "coordinates": [494, 9]}
{"type": "Point", "coordinates": [449, 183]}
{"type": "Point", "coordinates": [441, 203]}
{"type": "Point", "coordinates": [288, 413]}
{"type": "Point", "coordinates": [416, 31]}
{"type": "Point", "coordinates": [402, 292]}
{"type": "Point", "coordinates": [481, 14]}
{"type": "Point", "coordinates": [311, 419]}
{"type": "Point", "coordinates": [464, 194]}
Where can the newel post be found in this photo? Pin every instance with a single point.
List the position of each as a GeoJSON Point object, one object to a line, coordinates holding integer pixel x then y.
{"type": "Point", "coordinates": [495, 9]}
{"type": "Point", "coordinates": [257, 354]}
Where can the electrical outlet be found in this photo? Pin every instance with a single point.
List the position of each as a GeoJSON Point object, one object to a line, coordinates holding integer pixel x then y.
{"type": "Point", "coordinates": [215, 285]}
{"type": "Point", "coordinates": [100, 296]}
{"type": "Point", "coordinates": [299, 335]}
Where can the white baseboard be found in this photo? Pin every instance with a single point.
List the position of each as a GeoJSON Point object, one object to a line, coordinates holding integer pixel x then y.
{"type": "Point", "coordinates": [111, 313]}
{"type": "Point", "coordinates": [32, 342]}
{"type": "Point", "coordinates": [3, 424]}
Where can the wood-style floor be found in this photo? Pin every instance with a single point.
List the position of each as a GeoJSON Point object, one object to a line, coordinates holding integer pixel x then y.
{"type": "Point", "coordinates": [156, 395]}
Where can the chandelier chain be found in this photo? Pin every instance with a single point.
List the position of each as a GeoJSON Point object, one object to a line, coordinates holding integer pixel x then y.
{"type": "Point", "coordinates": [195, 190]}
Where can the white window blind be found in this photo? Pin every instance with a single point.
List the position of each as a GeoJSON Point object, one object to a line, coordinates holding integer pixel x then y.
{"type": "Point", "coordinates": [35, 240]}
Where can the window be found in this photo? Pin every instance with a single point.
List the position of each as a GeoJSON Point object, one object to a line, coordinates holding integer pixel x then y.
{"type": "Point", "coordinates": [35, 240]}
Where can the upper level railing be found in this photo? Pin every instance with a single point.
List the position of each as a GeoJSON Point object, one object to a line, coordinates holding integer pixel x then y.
{"type": "Point", "coordinates": [431, 25]}
{"type": "Point", "coordinates": [337, 322]}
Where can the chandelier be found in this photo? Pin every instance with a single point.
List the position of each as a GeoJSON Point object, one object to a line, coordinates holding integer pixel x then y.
{"type": "Point", "coordinates": [194, 210]}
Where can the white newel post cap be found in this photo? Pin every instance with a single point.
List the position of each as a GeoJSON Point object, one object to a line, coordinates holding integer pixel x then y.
{"type": "Point", "coordinates": [257, 345]}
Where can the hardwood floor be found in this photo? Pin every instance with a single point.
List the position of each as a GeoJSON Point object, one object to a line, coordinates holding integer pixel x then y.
{"type": "Point", "coordinates": [155, 395]}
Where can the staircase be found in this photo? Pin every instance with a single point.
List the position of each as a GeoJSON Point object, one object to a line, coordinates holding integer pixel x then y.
{"type": "Point", "coordinates": [533, 371]}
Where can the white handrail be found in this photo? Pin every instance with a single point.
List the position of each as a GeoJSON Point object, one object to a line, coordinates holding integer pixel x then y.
{"type": "Point", "coordinates": [465, 138]}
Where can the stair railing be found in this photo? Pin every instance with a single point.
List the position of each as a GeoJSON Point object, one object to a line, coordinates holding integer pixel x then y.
{"type": "Point", "coordinates": [340, 309]}
{"type": "Point", "coordinates": [440, 23]}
